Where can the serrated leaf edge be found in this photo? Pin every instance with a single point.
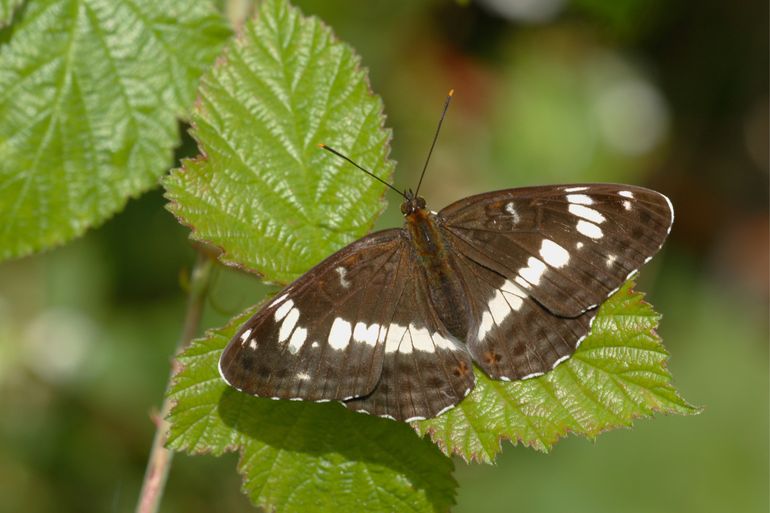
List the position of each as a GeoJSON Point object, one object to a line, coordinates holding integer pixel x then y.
{"type": "Point", "coordinates": [173, 206]}
{"type": "Point", "coordinates": [545, 446]}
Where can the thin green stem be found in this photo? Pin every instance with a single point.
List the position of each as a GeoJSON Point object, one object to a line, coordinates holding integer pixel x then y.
{"type": "Point", "coordinates": [159, 462]}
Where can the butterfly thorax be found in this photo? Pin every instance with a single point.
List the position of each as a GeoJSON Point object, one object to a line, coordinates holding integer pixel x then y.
{"type": "Point", "coordinates": [433, 258]}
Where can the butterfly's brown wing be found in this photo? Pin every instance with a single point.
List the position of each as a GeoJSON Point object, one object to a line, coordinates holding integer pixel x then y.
{"type": "Point", "coordinates": [568, 246]}
{"type": "Point", "coordinates": [319, 339]}
{"type": "Point", "coordinates": [355, 328]}
{"type": "Point", "coordinates": [536, 263]}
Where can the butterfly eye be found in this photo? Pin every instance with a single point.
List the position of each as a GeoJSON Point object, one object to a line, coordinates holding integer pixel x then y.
{"type": "Point", "coordinates": [405, 207]}
{"type": "Point", "coordinates": [420, 202]}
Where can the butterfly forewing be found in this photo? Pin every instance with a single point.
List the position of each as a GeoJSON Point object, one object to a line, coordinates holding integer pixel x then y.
{"type": "Point", "coordinates": [319, 338]}
{"type": "Point", "coordinates": [569, 246]}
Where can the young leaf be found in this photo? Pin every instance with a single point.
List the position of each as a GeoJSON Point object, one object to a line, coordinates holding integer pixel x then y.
{"type": "Point", "coordinates": [263, 191]}
{"type": "Point", "coordinates": [617, 374]}
{"type": "Point", "coordinates": [298, 456]}
{"type": "Point", "coordinates": [89, 95]}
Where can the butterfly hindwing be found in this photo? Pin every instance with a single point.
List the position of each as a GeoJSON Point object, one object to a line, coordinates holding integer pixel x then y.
{"type": "Point", "coordinates": [568, 246]}
{"type": "Point", "coordinates": [425, 369]}
{"type": "Point", "coordinates": [318, 339]}
{"type": "Point", "coordinates": [511, 336]}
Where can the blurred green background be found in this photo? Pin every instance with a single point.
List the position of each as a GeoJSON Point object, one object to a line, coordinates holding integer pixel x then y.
{"type": "Point", "coordinates": [672, 95]}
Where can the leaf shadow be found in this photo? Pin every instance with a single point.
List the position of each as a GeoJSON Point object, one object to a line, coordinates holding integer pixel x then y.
{"type": "Point", "coordinates": [322, 430]}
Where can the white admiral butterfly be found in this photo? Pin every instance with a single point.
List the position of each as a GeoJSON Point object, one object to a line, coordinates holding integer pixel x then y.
{"type": "Point", "coordinates": [392, 324]}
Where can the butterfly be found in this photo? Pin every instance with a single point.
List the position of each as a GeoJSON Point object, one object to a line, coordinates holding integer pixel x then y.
{"type": "Point", "coordinates": [393, 324]}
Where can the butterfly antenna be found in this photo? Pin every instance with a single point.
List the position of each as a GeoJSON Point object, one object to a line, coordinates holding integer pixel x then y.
{"type": "Point", "coordinates": [340, 155]}
{"type": "Point", "coordinates": [435, 138]}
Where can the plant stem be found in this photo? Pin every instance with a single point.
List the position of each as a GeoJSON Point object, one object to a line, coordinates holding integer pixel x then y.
{"type": "Point", "coordinates": [159, 462]}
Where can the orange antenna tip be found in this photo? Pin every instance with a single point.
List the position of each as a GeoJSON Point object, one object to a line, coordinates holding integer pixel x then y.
{"type": "Point", "coordinates": [321, 145]}
{"type": "Point", "coordinates": [451, 92]}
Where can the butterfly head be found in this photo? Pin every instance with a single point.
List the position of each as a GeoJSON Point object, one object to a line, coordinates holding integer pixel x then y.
{"type": "Point", "coordinates": [412, 204]}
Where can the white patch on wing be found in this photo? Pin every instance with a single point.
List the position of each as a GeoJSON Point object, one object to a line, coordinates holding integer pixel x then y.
{"type": "Point", "coordinates": [626, 194]}
{"type": "Point", "coordinates": [245, 336]}
{"type": "Point", "coordinates": [580, 199]}
{"type": "Point", "coordinates": [383, 334]}
{"type": "Point", "coordinates": [589, 229]}
{"type": "Point", "coordinates": [421, 339]}
{"type": "Point", "coordinates": [553, 254]}
{"type": "Point", "coordinates": [513, 295]}
{"type": "Point", "coordinates": [393, 338]}
{"type": "Point", "coordinates": [575, 189]}
{"type": "Point", "coordinates": [288, 325]}
{"type": "Point", "coordinates": [366, 334]}
{"type": "Point", "coordinates": [557, 362]}
{"type": "Point", "coordinates": [304, 376]}
{"type": "Point", "coordinates": [486, 325]}
{"type": "Point", "coordinates": [339, 334]}
{"type": "Point", "coordinates": [578, 245]}
{"type": "Point", "coordinates": [627, 204]}
{"type": "Point", "coordinates": [283, 310]}
{"type": "Point", "coordinates": [587, 213]}
{"type": "Point", "coordinates": [611, 260]}
{"type": "Point", "coordinates": [405, 346]}
{"type": "Point", "coordinates": [278, 300]}
{"type": "Point", "coordinates": [444, 343]}
{"type": "Point", "coordinates": [534, 271]}
{"type": "Point", "coordinates": [297, 340]}
{"type": "Point", "coordinates": [253, 344]}
{"type": "Point", "coordinates": [315, 345]}
{"type": "Point", "coordinates": [499, 308]}
{"type": "Point", "coordinates": [343, 272]}
{"type": "Point", "coordinates": [509, 287]}
{"type": "Point", "coordinates": [511, 209]}
{"type": "Point", "coordinates": [521, 281]}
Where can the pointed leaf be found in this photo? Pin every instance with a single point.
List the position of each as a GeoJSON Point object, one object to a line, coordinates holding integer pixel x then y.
{"type": "Point", "coordinates": [617, 374]}
{"type": "Point", "coordinates": [263, 191]}
{"type": "Point", "coordinates": [89, 95]}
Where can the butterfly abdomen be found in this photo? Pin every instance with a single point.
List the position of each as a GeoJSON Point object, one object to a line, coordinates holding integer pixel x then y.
{"type": "Point", "coordinates": [444, 289]}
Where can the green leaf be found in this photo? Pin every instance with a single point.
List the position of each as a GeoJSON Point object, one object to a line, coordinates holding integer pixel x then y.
{"type": "Point", "coordinates": [7, 7]}
{"type": "Point", "coordinates": [617, 374]}
{"type": "Point", "coordinates": [276, 204]}
{"type": "Point", "coordinates": [263, 191]}
{"type": "Point", "coordinates": [298, 456]}
{"type": "Point", "coordinates": [90, 91]}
